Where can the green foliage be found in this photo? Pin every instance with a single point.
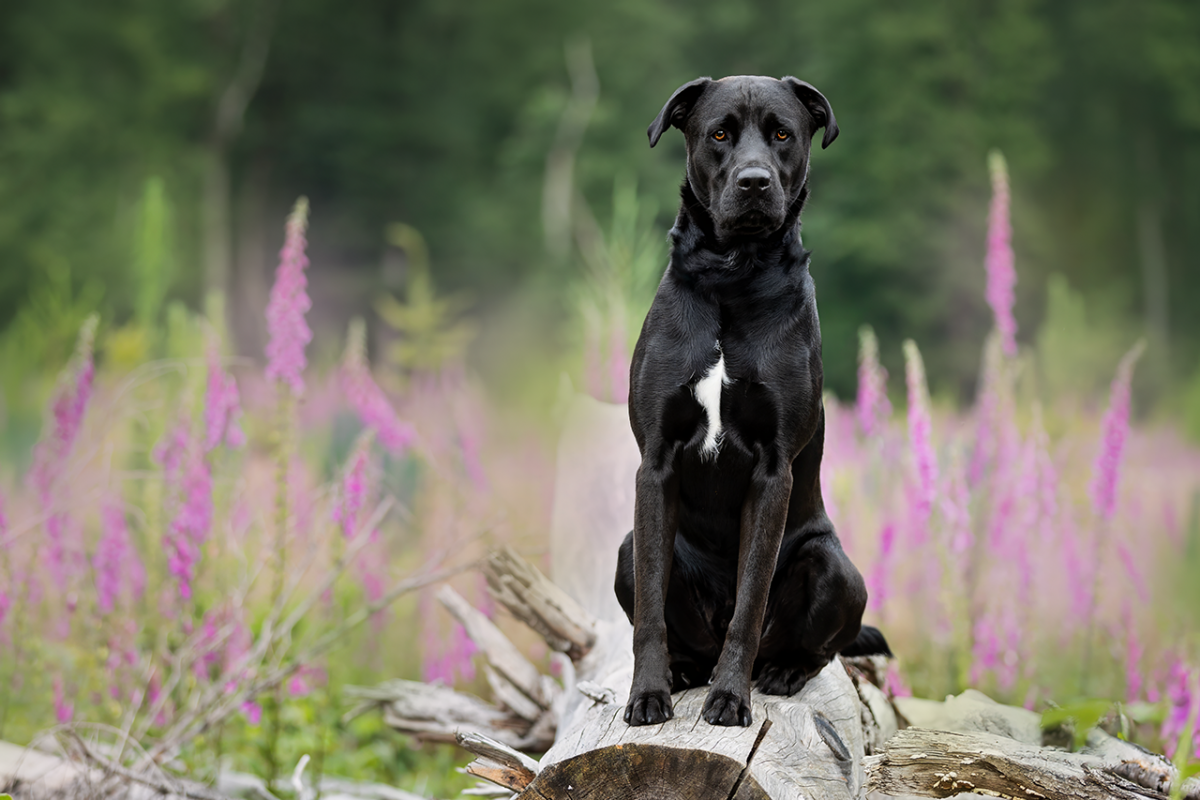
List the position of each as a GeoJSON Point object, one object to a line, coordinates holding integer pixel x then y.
{"type": "Point", "coordinates": [1078, 718]}
{"type": "Point", "coordinates": [431, 327]}
{"type": "Point", "coordinates": [1075, 352]}
{"type": "Point", "coordinates": [1191, 406]}
{"type": "Point", "coordinates": [443, 115]}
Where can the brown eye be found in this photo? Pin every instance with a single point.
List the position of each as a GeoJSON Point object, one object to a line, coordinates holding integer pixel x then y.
{"type": "Point", "coordinates": [719, 136]}
{"type": "Point", "coordinates": [782, 135]}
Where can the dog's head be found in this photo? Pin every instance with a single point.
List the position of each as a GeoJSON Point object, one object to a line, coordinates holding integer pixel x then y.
{"type": "Point", "coordinates": [748, 141]}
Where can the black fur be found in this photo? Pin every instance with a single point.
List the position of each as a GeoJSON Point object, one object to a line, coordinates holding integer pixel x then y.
{"type": "Point", "coordinates": [750, 516]}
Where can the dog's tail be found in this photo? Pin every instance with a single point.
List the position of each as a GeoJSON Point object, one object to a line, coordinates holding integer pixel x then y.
{"type": "Point", "coordinates": [870, 642]}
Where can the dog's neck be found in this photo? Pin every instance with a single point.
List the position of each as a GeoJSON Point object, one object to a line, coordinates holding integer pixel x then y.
{"type": "Point", "coordinates": [697, 249]}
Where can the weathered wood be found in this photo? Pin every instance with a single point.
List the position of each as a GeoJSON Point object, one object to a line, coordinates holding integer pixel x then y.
{"type": "Point", "coordinates": [928, 763]}
{"type": "Point", "coordinates": [437, 713]}
{"type": "Point", "coordinates": [532, 598]}
{"type": "Point", "coordinates": [634, 771]}
{"type": "Point", "coordinates": [500, 653]}
{"type": "Point", "coordinates": [975, 712]}
{"type": "Point", "coordinates": [498, 763]}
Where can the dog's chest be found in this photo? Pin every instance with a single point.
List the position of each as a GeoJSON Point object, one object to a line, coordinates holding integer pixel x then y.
{"type": "Point", "coordinates": [708, 392]}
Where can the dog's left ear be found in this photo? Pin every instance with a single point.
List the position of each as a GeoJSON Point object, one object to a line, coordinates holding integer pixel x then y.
{"type": "Point", "coordinates": [677, 108]}
{"type": "Point", "coordinates": [817, 105]}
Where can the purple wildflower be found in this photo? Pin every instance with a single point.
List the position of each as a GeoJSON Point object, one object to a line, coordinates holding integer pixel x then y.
{"type": "Point", "coordinates": [956, 511]}
{"type": "Point", "coordinates": [252, 712]}
{"type": "Point", "coordinates": [920, 433]}
{"type": "Point", "coordinates": [116, 562]}
{"type": "Point", "coordinates": [872, 407]}
{"type": "Point", "coordinates": [1183, 698]}
{"type": "Point", "coordinates": [354, 487]}
{"type": "Point", "coordinates": [369, 401]}
{"type": "Point", "coordinates": [288, 333]}
{"type": "Point", "coordinates": [1107, 466]}
{"type": "Point", "coordinates": [64, 711]}
{"type": "Point", "coordinates": [877, 581]}
{"type": "Point", "coordinates": [67, 408]}
{"type": "Point", "coordinates": [193, 515]}
{"type": "Point", "coordinates": [1047, 476]}
{"type": "Point", "coordinates": [894, 684]}
{"type": "Point", "coordinates": [222, 405]}
{"type": "Point", "coordinates": [1001, 275]}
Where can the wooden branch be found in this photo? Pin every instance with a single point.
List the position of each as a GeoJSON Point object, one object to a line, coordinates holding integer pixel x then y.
{"type": "Point", "coordinates": [532, 598]}
{"type": "Point", "coordinates": [929, 763]}
{"type": "Point", "coordinates": [500, 653]}
{"type": "Point", "coordinates": [498, 763]}
{"type": "Point", "coordinates": [437, 713]}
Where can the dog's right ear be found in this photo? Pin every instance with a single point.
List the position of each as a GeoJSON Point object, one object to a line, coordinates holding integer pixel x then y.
{"type": "Point", "coordinates": [677, 108]}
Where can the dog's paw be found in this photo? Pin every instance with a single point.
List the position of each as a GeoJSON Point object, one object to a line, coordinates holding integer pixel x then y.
{"type": "Point", "coordinates": [781, 680]}
{"type": "Point", "coordinates": [723, 707]}
{"type": "Point", "coordinates": [649, 708]}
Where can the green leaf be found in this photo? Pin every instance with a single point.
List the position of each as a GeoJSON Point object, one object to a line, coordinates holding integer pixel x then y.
{"type": "Point", "coordinates": [1082, 714]}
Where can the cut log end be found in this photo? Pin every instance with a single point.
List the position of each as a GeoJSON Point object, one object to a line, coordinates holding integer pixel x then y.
{"type": "Point", "coordinates": [645, 771]}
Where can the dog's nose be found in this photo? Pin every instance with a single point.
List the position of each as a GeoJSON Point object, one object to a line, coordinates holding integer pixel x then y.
{"type": "Point", "coordinates": [754, 180]}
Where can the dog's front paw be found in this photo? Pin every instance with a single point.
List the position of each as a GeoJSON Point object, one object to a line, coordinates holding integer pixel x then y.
{"type": "Point", "coordinates": [649, 708]}
{"type": "Point", "coordinates": [723, 707]}
{"type": "Point", "coordinates": [779, 680]}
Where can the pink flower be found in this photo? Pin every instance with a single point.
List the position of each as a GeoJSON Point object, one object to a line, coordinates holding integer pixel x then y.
{"type": "Point", "coordinates": [116, 562]}
{"type": "Point", "coordinates": [50, 455]}
{"type": "Point", "coordinates": [222, 405]}
{"type": "Point", "coordinates": [877, 581]}
{"type": "Point", "coordinates": [1106, 469]}
{"type": "Point", "coordinates": [64, 711]}
{"type": "Point", "coordinates": [368, 400]}
{"type": "Point", "coordinates": [354, 487]}
{"type": "Point", "coordinates": [872, 407]}
{"type": "Point", "coordinates": [894, 684]}
{"type": "Point", "coordinates": [252, 712]}
{"type": "Point", "coordinates": [1183, 698]}
{"type": "Point", "coordinates": [182, 457]}
{"type": "Point", "coordinates": [956, 511]}
{"type": "Point", "coordinates": [920, 435]}
{"type": "Point", "coordinates": [288, 332]}
{"type": "Point", "coordinates": [1001, 275]}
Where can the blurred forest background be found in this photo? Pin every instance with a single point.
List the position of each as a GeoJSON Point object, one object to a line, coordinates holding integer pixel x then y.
{"type": "Point", "coordinates": [468, 122]}
{"type": "Point", "coordinates": [486, 217]}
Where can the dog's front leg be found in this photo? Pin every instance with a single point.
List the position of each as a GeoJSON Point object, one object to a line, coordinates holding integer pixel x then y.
{"type": "Point", "coordinates": [655, 516]}
{"type": "Point", "coordinates": [763, 519]}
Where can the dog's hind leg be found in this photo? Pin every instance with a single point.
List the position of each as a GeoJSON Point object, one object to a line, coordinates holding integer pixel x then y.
{"type": "Point", "coordinates": [815, 612]}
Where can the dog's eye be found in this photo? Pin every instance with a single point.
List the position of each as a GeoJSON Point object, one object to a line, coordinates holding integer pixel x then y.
{"type": "Point", "coordinates": [782, 135]}
{"type": "Point", "coordinates": [720, 136]}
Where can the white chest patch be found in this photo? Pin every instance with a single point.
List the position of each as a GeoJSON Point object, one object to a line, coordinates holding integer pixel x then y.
{"type": "Point", "coordinates": [708, 395]}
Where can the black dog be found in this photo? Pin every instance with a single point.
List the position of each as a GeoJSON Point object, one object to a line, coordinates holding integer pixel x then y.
{"type": "Point", "coordinates": [733, 565]}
